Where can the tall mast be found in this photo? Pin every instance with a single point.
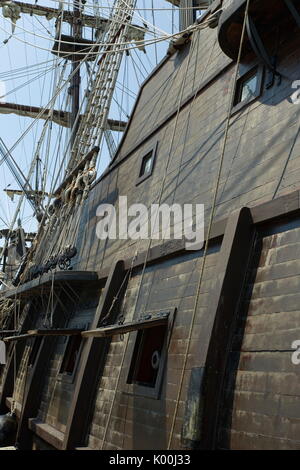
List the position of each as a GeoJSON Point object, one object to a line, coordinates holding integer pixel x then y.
{"type": "Point", "coordinates": [75, 83]}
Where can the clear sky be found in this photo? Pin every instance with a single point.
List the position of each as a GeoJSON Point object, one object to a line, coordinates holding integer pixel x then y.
{"type": "Point", "coordinates": [30, 50]}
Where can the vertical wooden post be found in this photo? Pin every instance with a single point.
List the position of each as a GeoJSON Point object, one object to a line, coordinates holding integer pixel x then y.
{"type": "Point", "coordinates": [186, 17]}
{"type": "Point", "coordinates": [205, 390]}
{"type": "Point", "coordinates": [227, 289]}
{"type": "Point", "coordinates": [34, 382]}
{"type": "Point", "coordinates": [91, 364]}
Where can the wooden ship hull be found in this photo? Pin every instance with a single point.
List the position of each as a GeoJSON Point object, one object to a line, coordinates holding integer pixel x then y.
{"type": "Point", "coordinates": [222, 320]}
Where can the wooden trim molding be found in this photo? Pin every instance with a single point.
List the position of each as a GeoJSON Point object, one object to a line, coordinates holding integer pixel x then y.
{"type": "Point", "coordinates": [44, 332]}
{"type": "Point", "coordinates": [9, 339]}
{"type": "Point", "coordinates": [46, 432]}
{"type": "Point", "coordinates": [126, 327]}
{"type": "Point", "coordinates": [284, 206]}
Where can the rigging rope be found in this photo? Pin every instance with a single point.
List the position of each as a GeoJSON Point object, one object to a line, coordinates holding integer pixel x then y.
{"type": "Point", "coordinates": [180, 97]}
{"type": "Point", "coordinates": [212, 213]}
{"type": "Point", "coordinates": [145, 42]}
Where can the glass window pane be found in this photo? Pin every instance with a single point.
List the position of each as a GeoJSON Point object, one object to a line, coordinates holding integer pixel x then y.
{"type": "Point", "coordinates": [148, 165]}
{"type": "Point", "coordinates": [249, 88]}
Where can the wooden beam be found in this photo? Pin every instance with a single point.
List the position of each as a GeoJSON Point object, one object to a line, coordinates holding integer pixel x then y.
{"type": "Point", "coordinates": [53, 332]}
{"type": "Point", "coordinates": [227, 286]}
{"type": "Point", "coordinates": [17, 337]}
{"type": "Point", "coordinates": [125, 328]}
{"type": "Point", "coordinates": [5, 232]}
{"type": "Point", "coordinates": [62, 118]}
{"type": "Point", "coordinates": [91, 363]}
{"type": "Point", "coordinates": [32, 288]}
{"type": "Point", "coordinates": [7, 332]}
{"type": "Point", "coordinates": [68, 16]}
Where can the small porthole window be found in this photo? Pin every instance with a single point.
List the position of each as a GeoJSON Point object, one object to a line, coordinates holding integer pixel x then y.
{"type": "Point", "coordinates": [248, 88]}
{"type": "Point", "coordinates": [147, 165]}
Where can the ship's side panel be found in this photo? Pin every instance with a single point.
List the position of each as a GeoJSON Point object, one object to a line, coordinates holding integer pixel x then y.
{"type": "Point", "coordinates": [262, 393]}
{"type": "Point", "coordinates": [261, 160]}
{"type": "Point", "coordinates": [137, 420]}
{"type": "Point", "coordinates": [59, 386]}
{"type": "Point", "coordinates": [172, 85]}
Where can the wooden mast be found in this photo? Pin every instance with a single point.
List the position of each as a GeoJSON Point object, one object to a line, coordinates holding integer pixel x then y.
{"type": "Point", "coordinates": [75, 83]}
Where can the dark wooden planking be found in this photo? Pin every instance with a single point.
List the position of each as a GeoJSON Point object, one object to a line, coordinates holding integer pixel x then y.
{"type": "Point", "coordinates": [286, 206]}
{"type": "Point", "coordinates": [262, 387]}
{"type": "Point", "coordinates": [282, 206]}
{"type": "Point", "coordinates": [226, 287]}
{"type": "Point", "coordinates": [91, 362]}
{"type": "Point", "coordinates": [208, 81]}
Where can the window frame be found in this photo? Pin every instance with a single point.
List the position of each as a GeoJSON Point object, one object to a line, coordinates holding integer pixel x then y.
{"type": "Point", "coordinates": [142, 390]}
{"type": "Point", "coordinates": [66, 376]}
{"type": "Point", "coordinates": [34, 351]}
{"type": "Point", "coordinates": [144, 176]}
{"type": "Point", "coordinates": [238, 105]}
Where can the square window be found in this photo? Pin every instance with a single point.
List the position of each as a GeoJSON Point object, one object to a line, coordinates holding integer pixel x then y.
{"type": "Point", "coordinates": [248, 88]}
{"type": "Point", "coordinates": [147, 353]}
{"type": "Point", "coordinates": [147, 356]}
{"type": "Point", "coordinates": [147, 165]}
{"type": "Point", "coordinates": [71, 355]}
